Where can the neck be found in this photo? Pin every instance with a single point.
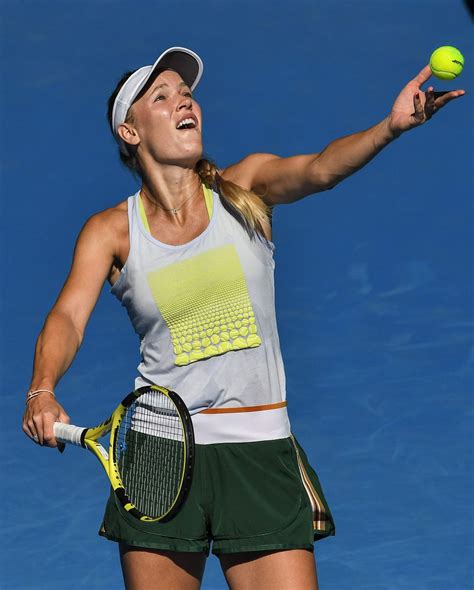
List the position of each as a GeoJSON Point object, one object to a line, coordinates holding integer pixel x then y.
{"type": "Point", "coordinates": [170, 188]}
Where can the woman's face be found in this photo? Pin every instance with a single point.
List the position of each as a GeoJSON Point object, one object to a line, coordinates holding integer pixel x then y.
{"type": "Point", "coordinates": [167, 122]}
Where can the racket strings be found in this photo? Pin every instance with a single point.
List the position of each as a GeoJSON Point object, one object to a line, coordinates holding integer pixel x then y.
{"type": "Point", "coordinates": [150, 451]}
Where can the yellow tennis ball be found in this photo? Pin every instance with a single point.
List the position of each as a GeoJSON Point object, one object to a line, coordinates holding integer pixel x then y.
{"type": "Point", "coordinates": [446, 62]}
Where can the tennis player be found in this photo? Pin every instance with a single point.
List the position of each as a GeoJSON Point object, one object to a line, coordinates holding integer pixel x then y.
{"type": "Point", "coordinates": [190, 256]}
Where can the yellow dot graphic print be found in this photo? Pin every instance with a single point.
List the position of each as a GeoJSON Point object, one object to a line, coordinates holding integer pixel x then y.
{"type": "Point", "coordinates": [206, 305]}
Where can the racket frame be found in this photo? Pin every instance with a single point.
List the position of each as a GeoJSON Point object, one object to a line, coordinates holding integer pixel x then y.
{"type": "Point", "coordinates": [109, 460]}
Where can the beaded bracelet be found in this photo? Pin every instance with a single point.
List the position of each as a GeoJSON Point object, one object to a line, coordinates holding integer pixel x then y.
{"type": "Point", "coordinates": [32, 394]}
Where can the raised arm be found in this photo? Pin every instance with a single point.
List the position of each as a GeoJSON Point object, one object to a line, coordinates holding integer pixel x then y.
{"type": "Point", "coordinates": [284, 180]}
{"type": "Point", "coordinates": [64, 327]}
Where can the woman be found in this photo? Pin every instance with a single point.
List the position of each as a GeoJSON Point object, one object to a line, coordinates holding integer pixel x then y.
{"type": "Point", "coordinates": [190, 257]}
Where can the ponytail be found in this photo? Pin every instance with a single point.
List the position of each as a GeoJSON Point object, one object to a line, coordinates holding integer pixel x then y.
{"type": "Point", "coordinates": [246, 206]}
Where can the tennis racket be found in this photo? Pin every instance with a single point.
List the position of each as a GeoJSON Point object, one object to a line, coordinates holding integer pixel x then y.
{"type": "Point", "coordinates": [151, 451]}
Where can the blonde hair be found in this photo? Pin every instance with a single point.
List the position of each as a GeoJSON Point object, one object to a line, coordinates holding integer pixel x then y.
{"type": "Point", "coordinates": [246, 206]}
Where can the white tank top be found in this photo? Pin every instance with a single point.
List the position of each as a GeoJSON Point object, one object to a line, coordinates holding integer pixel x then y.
{"type": "Point", "coordinates": [205, 315]}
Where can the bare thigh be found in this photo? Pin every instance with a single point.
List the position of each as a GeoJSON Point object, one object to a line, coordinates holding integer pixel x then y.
{"type": "Point", "coordinates": [293, 569]}
{"type": "Point", "coordinates": [149, 569]}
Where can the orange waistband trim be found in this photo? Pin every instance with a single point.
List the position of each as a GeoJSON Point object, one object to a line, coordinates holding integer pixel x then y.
{"type": "Point", "coordinates": [244, 409]}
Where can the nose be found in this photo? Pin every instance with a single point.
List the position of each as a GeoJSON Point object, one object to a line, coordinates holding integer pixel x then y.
{"type": "Point", "coordinates": [185, 103]}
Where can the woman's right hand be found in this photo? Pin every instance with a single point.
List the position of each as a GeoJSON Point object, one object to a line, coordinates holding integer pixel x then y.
{"type": "Point", "coordinates": [40, 415]}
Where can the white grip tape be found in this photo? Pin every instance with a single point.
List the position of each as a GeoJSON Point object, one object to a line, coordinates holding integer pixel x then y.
{"type": "Point", "coordinates": [67, 433]}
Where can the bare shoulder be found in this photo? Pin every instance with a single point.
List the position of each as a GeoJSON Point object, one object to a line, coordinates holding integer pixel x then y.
{"type": "Point", "coordinates": [279, 180]}
{"type": "Point", "coordinates": [244, 171]}
{"type": "Point", "coordinates": [107, 225]}
{"type": "Point", "coordinates": [111, 218]}
{"type": "Point", "coordinates": [95, 253]}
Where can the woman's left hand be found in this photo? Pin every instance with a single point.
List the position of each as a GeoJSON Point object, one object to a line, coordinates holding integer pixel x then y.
{"type": "Point", "coordinates": [413, 106]}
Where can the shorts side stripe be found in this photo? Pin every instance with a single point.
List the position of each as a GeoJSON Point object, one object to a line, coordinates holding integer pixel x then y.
{"type": "Point", "coordinates": [320, 520]}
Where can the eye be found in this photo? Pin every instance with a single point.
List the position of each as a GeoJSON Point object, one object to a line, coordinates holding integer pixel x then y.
{"type": "Point", "coordinates": [188, 93]}
{"type": "Point", "coordinates": [160, 97]}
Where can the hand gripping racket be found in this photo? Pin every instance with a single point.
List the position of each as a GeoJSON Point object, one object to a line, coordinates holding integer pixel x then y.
{"type": "Point", "coordinates": [151, 451]}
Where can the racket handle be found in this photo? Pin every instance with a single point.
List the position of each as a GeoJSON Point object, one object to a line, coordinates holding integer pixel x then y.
{"type": "Point", "coordinates": [67, 433]}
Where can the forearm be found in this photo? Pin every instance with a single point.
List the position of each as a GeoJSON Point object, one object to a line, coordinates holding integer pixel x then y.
{"type": "Point", "coordinates": [346, 155]}
{"type": "Point", "coordinates": [56, 348]}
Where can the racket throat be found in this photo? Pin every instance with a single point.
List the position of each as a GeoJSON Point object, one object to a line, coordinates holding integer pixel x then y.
{"type": "Point", "coordinates": [98, 450]}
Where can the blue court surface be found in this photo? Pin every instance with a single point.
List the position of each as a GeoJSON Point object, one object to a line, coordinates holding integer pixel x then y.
{"type": "Point", "coordinates": [374, 278]}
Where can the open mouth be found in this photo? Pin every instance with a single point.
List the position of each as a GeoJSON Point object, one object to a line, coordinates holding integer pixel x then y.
{"type": "Point", "coordinates": [186, 124]}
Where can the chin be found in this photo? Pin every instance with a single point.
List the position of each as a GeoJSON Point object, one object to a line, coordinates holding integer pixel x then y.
{"type": "Point", "coordinates": [193, 155]}
{"type": "Point", "coordinates": [186, 161]}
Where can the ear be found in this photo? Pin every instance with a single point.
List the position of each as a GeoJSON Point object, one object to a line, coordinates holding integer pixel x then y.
{"type": "Point", "coordinates": [128, 134]}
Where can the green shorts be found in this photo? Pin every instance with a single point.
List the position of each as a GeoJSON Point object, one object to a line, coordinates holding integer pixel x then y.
{"type": "Point", "coordinates": [256, 496]}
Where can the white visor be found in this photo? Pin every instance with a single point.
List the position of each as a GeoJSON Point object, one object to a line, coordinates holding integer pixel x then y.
{"type": "Point", "coordinates": [184, 61]}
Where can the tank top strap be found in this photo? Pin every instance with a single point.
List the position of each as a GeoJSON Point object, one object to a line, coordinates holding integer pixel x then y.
{"type": "Point", "coordinates": [141, 212]}
{"type": "Point", "coordinates": [208, 198]}
{"type": "Point", "coordinates": [133, 212]}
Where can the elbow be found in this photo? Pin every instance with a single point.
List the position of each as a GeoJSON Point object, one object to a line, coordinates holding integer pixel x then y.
{"type": "Point", "coordinates": [64, 322]}
{"type": "Point", "coordinates": [332, 182]}
{"type": "Point", "coordinates": [320, 177]}
{"type": "Point", "coordinates": [321, 182]}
